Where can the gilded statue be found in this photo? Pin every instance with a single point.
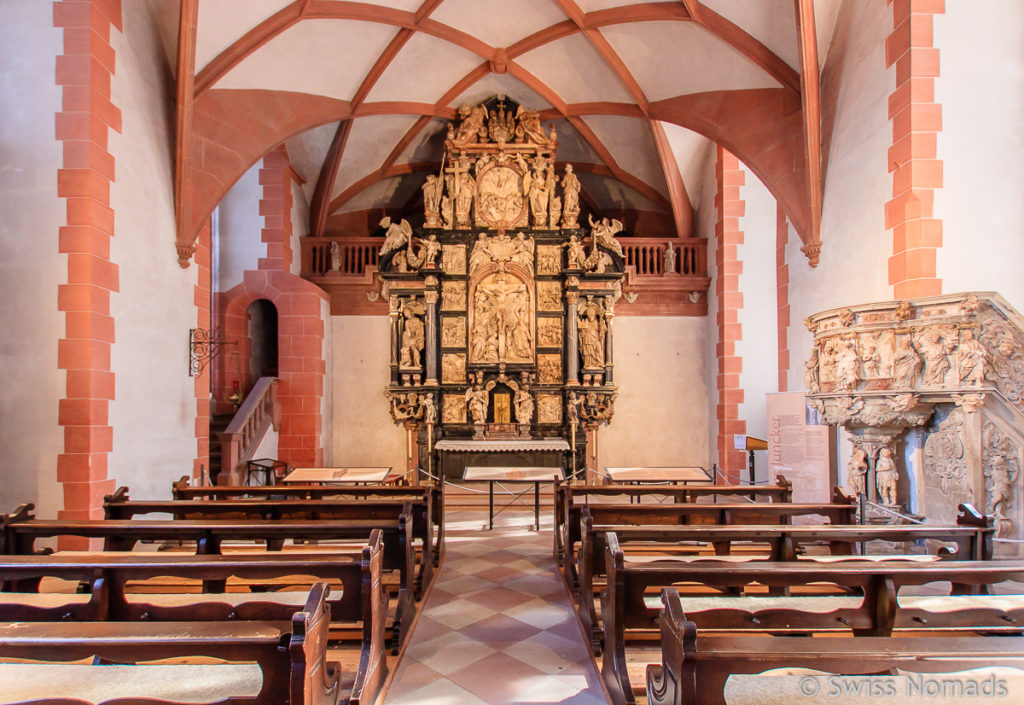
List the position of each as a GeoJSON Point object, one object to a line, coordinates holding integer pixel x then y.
{"type": "Point", "coordinates": [906, 364]}
{"type": "Point", "coordinates": [476, 399]}
{"type": "Point", "coordinates": [885, 477]}
{"type": "Point", "coordinates": [413, 334]}
{"type": "Point", "coordinates": [592, 330]}
{"type": "Point", "coordinates": [972, 359]}
{"type": "Point", "coordinates": [570, 199]}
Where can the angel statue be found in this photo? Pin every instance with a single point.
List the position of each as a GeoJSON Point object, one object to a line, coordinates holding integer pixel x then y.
{"type": "Point", "coordinates": [604, 234]}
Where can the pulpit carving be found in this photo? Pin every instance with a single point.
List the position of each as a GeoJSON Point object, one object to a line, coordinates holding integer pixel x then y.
{"type": "Point", "coordinates": [1001, 466]}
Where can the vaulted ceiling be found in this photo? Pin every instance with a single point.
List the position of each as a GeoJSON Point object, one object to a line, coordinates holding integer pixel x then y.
{"type": "Point", "coordinates": [360, 92]}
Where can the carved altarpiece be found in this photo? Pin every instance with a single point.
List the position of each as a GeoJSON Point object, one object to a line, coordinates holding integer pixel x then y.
{"type": "Point", "coordinates": [515, 300]}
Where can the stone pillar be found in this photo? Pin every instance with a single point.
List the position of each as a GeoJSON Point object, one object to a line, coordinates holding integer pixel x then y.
{"type": "Point", "coordinates": [572, 358]}
{"type": "Point", "coordinates": [393, 315]}
{"type": "Point", "coordinates": [430, 295]}
{"type": "Point", "coordinates": [609, 315]}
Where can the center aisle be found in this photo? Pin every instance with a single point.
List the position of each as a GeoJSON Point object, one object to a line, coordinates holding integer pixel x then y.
{"type": "Point", "coordinates": [498, 626]}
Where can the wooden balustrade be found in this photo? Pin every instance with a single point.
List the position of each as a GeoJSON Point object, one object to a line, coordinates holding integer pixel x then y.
{"type": "Point", "coordinates": [240, 439]}
{"type": "Point", "coordinates": [647, 255]}
{"type": "Point", "coordinates": [355, 254]}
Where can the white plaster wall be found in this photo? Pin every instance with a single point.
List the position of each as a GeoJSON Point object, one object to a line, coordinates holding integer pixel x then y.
{"type": "Point", "coordinates": [31, 267]}
{"type": "Point", "coordinates": [153, 414]}
{"type": "Point", "coordinates": [659, 414]}
{"type": "Point", "coordinates": [360, 424]}
{"type": "Point", "coordinates": [300, 226]}
{"type": "Point", "coordinates": [759, 315]}
{"type": "Point", "coordinates": [855, 244]}
{"type": "Point", "coordinates": [240, 240]}
{"type": "Point", "coordinates": [980, 203]}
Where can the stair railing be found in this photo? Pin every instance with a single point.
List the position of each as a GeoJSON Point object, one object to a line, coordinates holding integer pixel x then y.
{"type": "Point", "coordinates": [260, 410]}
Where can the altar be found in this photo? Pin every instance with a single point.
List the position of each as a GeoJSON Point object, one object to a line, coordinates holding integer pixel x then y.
{"type": "Point", "coordinates": [456, 454]}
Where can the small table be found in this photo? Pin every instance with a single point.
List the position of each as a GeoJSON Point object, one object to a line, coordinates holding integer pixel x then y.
{"type": "Point", "coordinates": [658, 474]}
{"type": "Point", "coordinates": [366, 476]}
{"type": "Point", "coordinates": [268, 466]}
{"type": "Point", "coordinates": [492, 475]}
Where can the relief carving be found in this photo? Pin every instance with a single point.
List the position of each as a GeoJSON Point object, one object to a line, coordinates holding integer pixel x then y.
{"type": "Point", "coordinates": [549, 408]}
{"type": "Point", "coordinates": [453, 368]}
{"type": "Point", "coordinates": [936, 345]}
{"type": "Point", "coordinates": [549, 259]}
{"type": "Point", "coordinates": [945, 456]}
{"type": "Point", "coordinates": [453, 296]}
{"type": "Point", "coordinates": [971, 369]}
{"type": "Point", "coordinates": [501, 321]}
{"type": "Point", "coordinates": [453, 332]}
{"type": "Point", "coordinates": [453, 409]}
{"type": "Point", "coordinates": [502, 202]}
{"type": "Point", "coordinates": [1006, 369]}
{"type": "Point", "coordinates": [549, 296]}
{"type": "Point", "coordinates": [549, 332]}
{"type": "Point", "coordinates": [453, 259]}
{"type": "Point", "coordinates": [1001, 467]}
{"type": "Point", "coordinates": [549, 368]}
{"type": "Point", "coordinates": [906, 364]}
{"type": "Point", "coordinates": [811, 373]}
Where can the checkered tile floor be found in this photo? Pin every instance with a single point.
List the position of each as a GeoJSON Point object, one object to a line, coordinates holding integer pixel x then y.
{"type": "Point", "coordinates": [498, 627]}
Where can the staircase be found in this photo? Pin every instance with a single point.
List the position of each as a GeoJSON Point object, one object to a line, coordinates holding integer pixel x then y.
{"type": "Point", "coordinates": [218, 422]}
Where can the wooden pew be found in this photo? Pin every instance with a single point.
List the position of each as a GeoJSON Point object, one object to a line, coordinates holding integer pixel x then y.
{"type": "Point", "coordinates": [291, 657]}
{"type": "Point", "coordinates": [973, 541]}
{"type": "Point", "coordinates": [694, 668]}
{"type": "Point", "coordinates": [842, 511]}
{"type": "Point", "coordinates": [566, 495]}
{"type": "Point", "coordinates": [21, 531]}
{"type": "Point", "coordinates": [120, 506]}
{"type": "Point", "coordinates": [183, 489]}
{"type": "Point", "coordinates": [874, 609]}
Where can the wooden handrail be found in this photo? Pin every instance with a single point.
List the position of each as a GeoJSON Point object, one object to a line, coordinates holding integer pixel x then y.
{"type": "Point", "coordinates": [647, 255]}
{"type": "Point", "coordinates": [257, 413]}
{"type": "Point", "coordinates": [355, 254]}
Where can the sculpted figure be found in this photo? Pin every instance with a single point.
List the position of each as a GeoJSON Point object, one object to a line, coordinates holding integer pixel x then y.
{"type": "Point", "coordinates": [592, 329]}
{"type": "Point", "coordinates": [524, 404]}
{"type": "Point", "coordinates": [857, 471]}
{"type": "Point", "coordinates": [972, 359]}
{"type": "Point", "coordinates": [847, 365]}
{"type": "Point", "coordinates": [432, 188]}
{"type": "Point", "coordinates": [481, 253]}
{"type": "Point", "coordinates": [885, 477]}
{"type": "Point", "coordinates": [413, 334]}
{"type": "Point", "coordinates": [554, 209]}
{"type": "Point", "coordinates": [575, 254]}
{"type": "Point", "coordinates": [429, 409]}
{"type": "Point", "coordinates": [476, 398]}
{"type": "Point", "coordinates": [871, 359]}
{"type": "Point", "coordinates": [604, 232]}
{"type": "Point", "coordinates": [472, 121]}
{"type": "Point", "coordinates": [906, 364]}
{"type": "Point", "coordinates": [429, 249]}
{"type": "Point", "coordinates": [572, 409]}
{"type": "Point", "coordinates": [398, 235]}
{"type": "Point", "coordinates": [936, 356]}
{"type": "Point", "coordinates": [539, 191]}
{"type": "Point", "coordinates": [447, 212]}
{"type": "Point", "coordinates": [570, 198]}
{"type": "Point", "coordinates": [522, 251]}
{"type": "Point", "coordinates": [811, 373]}
{"type": "Point", "coordinates": [669, 259]}
{"type": "Point", "coordinates": [464, 193]}
{"type": "Point", "coordinates": [335, 256]}
{"type": "Point", "coordinates": [529, 128]}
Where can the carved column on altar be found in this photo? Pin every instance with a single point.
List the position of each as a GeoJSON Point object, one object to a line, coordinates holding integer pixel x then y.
{"type": "Point", "coordinates": [393, 315]}
{"type": "Point", "coordinates": [609, 315]}
{"type": "Point", "coordinates": [430, 295]}
{"type": "Point", "coordinates": [572, 299]}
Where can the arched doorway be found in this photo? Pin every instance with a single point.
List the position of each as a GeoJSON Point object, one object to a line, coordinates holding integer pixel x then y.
{"type": "Point", "coordinates": [263, 339]}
